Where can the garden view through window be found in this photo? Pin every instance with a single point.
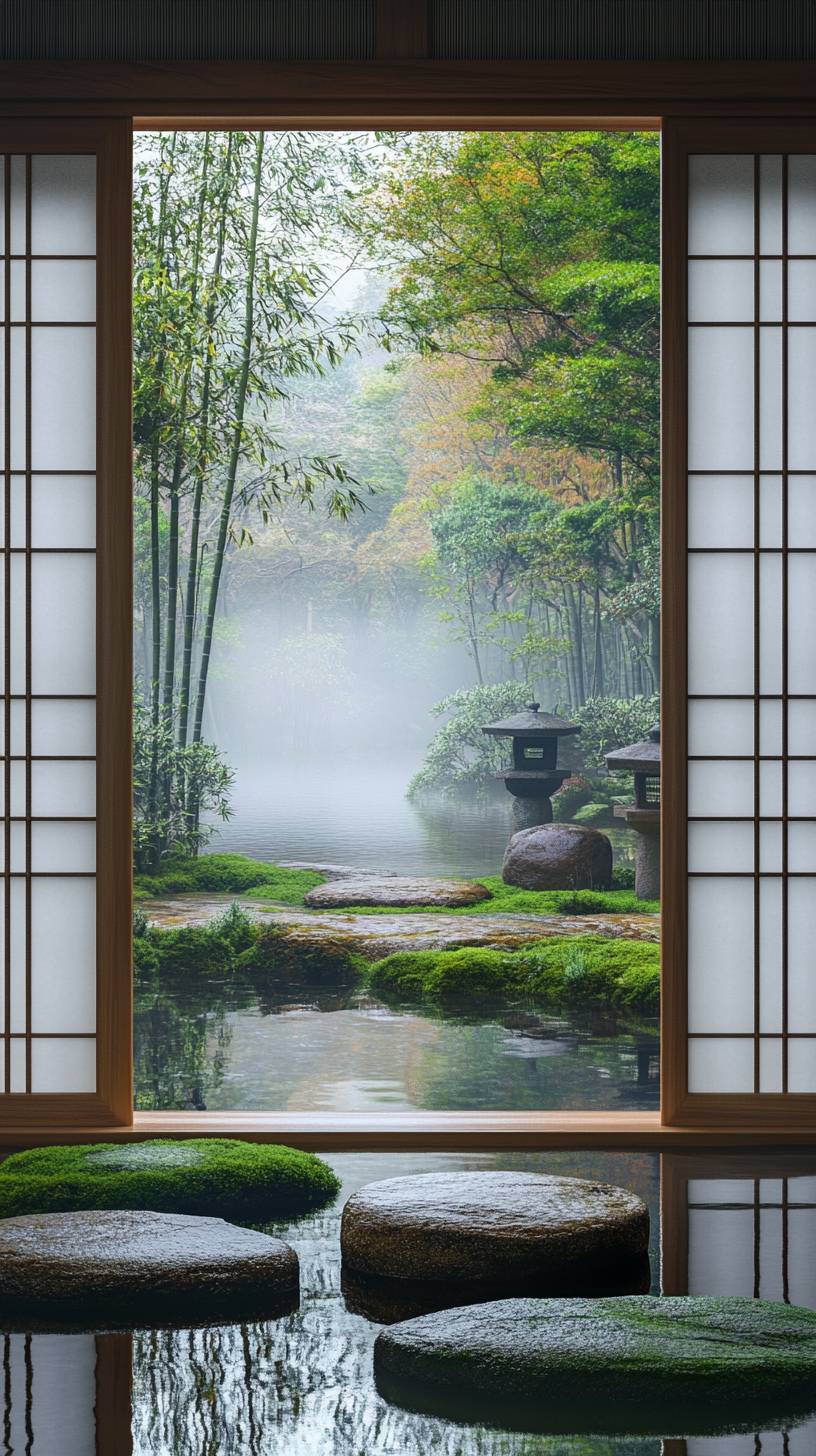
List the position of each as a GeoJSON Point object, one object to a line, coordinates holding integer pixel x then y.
{"type": "Point", "coordinates": [396, 483]}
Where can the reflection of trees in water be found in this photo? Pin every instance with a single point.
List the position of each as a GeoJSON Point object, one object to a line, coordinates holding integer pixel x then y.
{"type": "Point", "coordinates": [303, 1386]}
{"type": "Point", "coordinates": [526, 1062]}
{"type": "Point", "coordinates": [180, 1051]}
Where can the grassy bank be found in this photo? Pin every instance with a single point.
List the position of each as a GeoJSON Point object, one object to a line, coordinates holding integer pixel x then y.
{"type": "Point", "coordinates": [228, 874]}
{"type": "Point", "coordinates": [236, 874]}
{"type": "Point", "coordinates": [574, 971]}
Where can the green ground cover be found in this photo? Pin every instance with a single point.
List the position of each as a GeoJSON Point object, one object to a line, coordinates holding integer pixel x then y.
{"type": "Point", "coordinates": [236, 874]}
{"type": "Point", "coordinates": [223, 1177]}
{"type": "Point", "coordinates": [231, 874]}
{"type": "Point", "coordinates": [574, 971]}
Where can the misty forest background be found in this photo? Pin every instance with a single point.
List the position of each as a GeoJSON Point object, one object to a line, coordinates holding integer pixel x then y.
{"type": "Point", "coordinates": [396, 454]}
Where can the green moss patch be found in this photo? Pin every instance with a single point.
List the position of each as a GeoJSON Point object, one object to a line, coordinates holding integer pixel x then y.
{"type": "Point", "coordinates": [219, 1176]}
{"type": "Point", "coordinates": [579, 970]}
{"type": "Point", "coordinates": [231, 874]}
{"type": "Point", "coordinates": [642, 1364]}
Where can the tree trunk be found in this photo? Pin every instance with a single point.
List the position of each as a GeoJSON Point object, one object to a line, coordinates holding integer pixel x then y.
{"type": "Point", "coordinates": [576, 644]}
{"type": "Point", "coordinates": [155, 508]}
{"type": "Point", "coordinates": [237, 440]}
{"type": "Point", "coordinates": [193, 559]}
{"type": "Point", "coordinates": [597, 665]}
{"type": "Point", "coordinates": [178, 460]}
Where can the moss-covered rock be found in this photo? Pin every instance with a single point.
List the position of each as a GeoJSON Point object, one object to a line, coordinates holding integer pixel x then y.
{"type": "Point", "coordinates": [575, 971]}
{"type": "Point", "coordinates": [294, 956]}
{"type": "Point", "coordinates": [643, 1365]}
{"type": "Point", "coordinates": [221, 1176]}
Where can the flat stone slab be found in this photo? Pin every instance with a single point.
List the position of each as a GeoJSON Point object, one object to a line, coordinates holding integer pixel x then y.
{"type": "Point", "coordinates": [134, 1262]}
{"type": "Point", "coordinates": [640, 1365]}
{"type": "Point", "coordinates": [395, 890]}
{"type": "Point", "coordinates": [375, 936]}
{"type": "Point", "coordinates": [491, 1228]}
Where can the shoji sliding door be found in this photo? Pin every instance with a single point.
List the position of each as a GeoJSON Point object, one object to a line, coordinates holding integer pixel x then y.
{"type": "Point", "coordinates": [64, 602]}
{"type": "Point", "coordinates": [739, 706]}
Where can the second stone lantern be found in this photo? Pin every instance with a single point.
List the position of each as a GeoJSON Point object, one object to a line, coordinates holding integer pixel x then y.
{"type": "Point", "coordinates": [643, 760]}
{"type": "Point", "coordinates": [535, 774]}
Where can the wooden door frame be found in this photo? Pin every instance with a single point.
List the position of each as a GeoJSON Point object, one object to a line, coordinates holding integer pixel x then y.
{"type": "Point", "coordinates": [684, 137]}
{"type": "Point", "coordinates": [416, 93]}
{"type": "Point", "coordinates": [110, 141]}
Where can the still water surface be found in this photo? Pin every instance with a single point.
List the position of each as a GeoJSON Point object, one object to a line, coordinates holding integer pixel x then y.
{"type": "Point", "coordinates": [356, 813]}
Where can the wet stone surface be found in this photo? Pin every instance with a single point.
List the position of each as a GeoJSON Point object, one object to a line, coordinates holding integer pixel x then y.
{"type": "Point", "coordinates": [491, 1228]}
{"type": "Point", "coordinates": [397, 890]}
{"type": "Point", "coordinates": [380, 935]}
{"type": "Point", "coordinates": [558, 857]}
{"type": "Point", "coordinates": [132, 1261]}
{"type": "Point", "coordinates": [643, 1365]}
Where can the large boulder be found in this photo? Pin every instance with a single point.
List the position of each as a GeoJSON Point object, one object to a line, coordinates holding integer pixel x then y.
{"type": "Point", "coordinates": [491, 1228]}
{"type": "Point", "coordinates": [640, 1365]}
{"type": "Point", "coordinates": [558, 857]}
{"type": "Point", "coordinates": [396, 890]}
{"type": "Point", "coordinates": [129, 1265]}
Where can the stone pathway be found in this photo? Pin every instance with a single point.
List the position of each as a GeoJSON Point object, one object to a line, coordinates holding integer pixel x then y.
{"type": "Point", "coordinates": [380, 935]}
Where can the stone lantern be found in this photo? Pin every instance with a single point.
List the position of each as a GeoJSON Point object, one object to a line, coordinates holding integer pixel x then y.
{"type": "Point", "coordinates": [535, 774]}
{"type": "Point", "coordinates": [643, 760]}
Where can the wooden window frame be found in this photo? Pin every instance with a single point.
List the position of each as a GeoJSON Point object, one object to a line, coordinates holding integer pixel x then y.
{"type": "Point", "coordinates": [416, 93]}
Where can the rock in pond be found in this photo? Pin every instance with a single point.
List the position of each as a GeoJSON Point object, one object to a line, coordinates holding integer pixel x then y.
{"type": "Point", "coordinates": [394, 890]}
{"type": "Point", "coordinates": [134, 1265]}
{"type": "Point", "coordinates": [640, 1365]}
{"type": "Point", "coordinates": [490, 1228]}
{"type": "Point", "coordinates": [558, 857]}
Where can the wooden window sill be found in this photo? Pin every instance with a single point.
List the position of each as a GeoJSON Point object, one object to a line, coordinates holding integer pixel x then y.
{"type": "Point", "coordinates": [415, 1131]}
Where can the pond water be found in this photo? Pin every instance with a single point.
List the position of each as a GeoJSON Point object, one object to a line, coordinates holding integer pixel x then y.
{"type": "Point", "coordinates": [209, 1043]}
{"type": "Point", "coordinates": [356, 812]}
{"type": "Point", "coordinates": [304, 1385]}
{"type": "Point", "coordinates": [213, 1045]}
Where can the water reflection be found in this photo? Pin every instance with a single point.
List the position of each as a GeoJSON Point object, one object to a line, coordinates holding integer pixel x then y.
{"type": "Point", "coordinates": [225, 1045]}
{"type": "Point", "coordinates": [303, 1385]}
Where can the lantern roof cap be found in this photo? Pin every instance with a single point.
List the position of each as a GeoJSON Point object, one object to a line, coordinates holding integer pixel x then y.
{"type": "Point", "coordinates": [531, 723]}
{"type": "Point", "coordinates": [638, 757]}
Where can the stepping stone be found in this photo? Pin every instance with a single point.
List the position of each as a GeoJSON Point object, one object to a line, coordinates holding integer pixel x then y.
{"type": "Point", "coordinates": [133, 1265]}
{"type": "Point", "coordinates": [491, 1228]}
{"type": "Point", "coordinates": [394, 890]}
{"type": "Point", "coordinates": [640, 1365]}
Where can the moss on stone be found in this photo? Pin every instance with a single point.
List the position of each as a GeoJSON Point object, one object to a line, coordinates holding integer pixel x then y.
{"type": "Point", "coordinates": [569, 970]}
{"type": "Point", "coordinates": [639, 1364]}
{"type": "Point", "coordinates": [219, 1176]}
{"type": "Point", "coordinates": [290, 955]}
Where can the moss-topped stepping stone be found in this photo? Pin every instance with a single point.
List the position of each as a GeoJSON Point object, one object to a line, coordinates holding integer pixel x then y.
{"type": "Point", "coordinates": [396, 890]}
{"type": "Point", "coordinates": [125, 1265]}
{"type": "Point", "coordinates": [491, 1228]}
{"type": "Point", "coordinates": [640, 1365]}
{"type": "Point", "coordinates": [249, 1181]}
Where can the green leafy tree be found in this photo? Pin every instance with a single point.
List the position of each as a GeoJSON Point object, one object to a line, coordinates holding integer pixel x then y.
{"type": "Point", "coordinates": [162, 824]}
{"type": "Point", "coordinates": [230, 234]}
{"type": "Point", "coordinates": [460, 753]}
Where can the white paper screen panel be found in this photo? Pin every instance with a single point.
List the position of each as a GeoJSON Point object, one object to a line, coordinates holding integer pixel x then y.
{"type": "Point", "coordinates": [751, 610]}
{"type": "Point", "coordinates": [48, 426]}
